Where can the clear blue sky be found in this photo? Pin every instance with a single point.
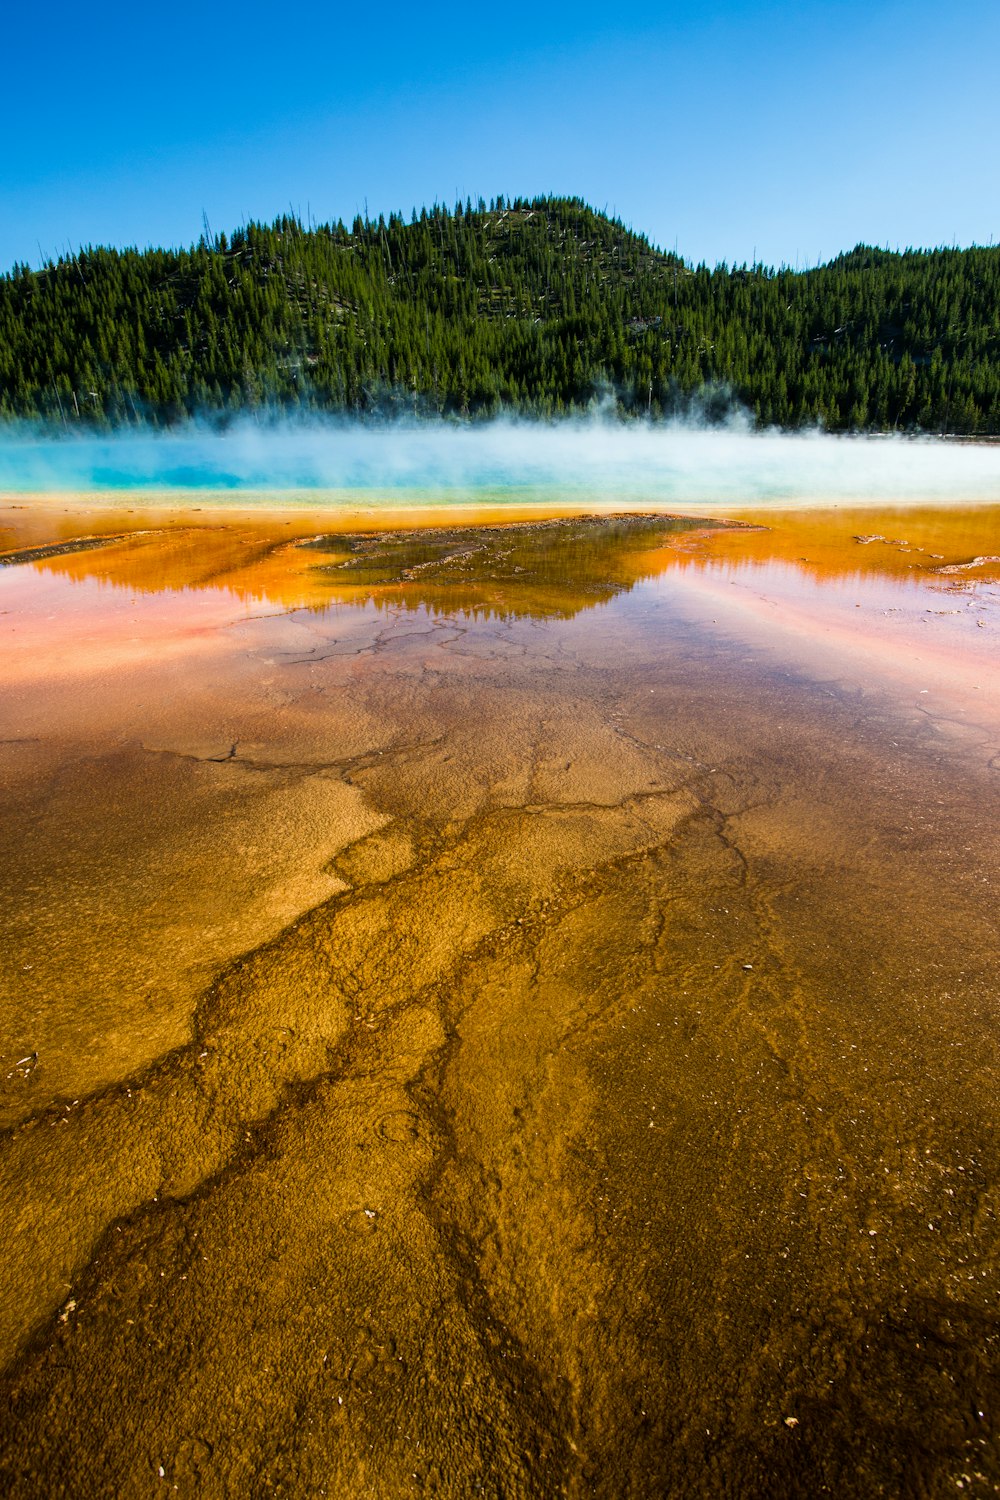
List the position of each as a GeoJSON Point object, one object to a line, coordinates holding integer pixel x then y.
{"type": "Point", "coordinates": [795, 130]}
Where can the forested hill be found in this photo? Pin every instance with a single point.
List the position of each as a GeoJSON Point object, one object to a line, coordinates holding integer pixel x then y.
{"type": "Point", "coordinates": [537, 305]}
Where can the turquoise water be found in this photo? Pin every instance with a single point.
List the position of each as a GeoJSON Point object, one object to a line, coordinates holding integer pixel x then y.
{"type": "Point", "coordinates": [499, 462]}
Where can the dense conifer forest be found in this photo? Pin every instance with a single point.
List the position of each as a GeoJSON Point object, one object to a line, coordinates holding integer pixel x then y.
{"type": "Point", "coordinates": [540, 306]}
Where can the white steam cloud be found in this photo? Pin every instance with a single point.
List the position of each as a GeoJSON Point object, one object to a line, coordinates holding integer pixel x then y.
{"type": "Point", "coordinates": [588, 461]}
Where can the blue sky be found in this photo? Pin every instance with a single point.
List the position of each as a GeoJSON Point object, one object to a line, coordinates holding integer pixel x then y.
{"type": "Point", "coordinates": [789, 130]}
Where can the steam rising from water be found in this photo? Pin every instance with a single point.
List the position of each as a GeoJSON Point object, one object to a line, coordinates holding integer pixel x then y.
{"type": "Point", "coordinates": [594, 460]}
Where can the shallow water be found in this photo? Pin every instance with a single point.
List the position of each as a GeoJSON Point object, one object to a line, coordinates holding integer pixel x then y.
{"type": "Point", "coordinates": [500, 1010]}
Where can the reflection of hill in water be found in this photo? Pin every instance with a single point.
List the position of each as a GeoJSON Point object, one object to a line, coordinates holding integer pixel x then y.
{"type": "Point", "coordinates": [518, 568]}
{"type": "Point", "coordinates": [534, 569]}
{"type": "Point", "coordinates": [539, 569]}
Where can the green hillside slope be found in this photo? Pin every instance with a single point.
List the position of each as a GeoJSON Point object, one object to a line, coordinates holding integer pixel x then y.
{"type": "Point", "coordinates": [538, 305]}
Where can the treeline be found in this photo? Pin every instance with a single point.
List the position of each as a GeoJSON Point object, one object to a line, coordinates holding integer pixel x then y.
{"type": "Point", "coordinates": [538, 306]}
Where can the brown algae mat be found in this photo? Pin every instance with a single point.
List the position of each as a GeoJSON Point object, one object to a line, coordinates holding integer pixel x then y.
{"type": "Point", "coordinates": [566, 1064]}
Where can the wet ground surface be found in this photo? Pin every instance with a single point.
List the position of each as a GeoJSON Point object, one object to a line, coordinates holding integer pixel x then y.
{"type": "Point", "coordinates": [488, 1016]}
